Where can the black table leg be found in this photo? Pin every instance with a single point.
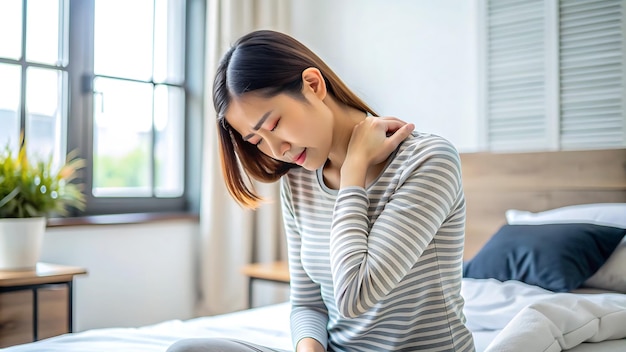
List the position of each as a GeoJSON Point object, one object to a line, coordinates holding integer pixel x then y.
{"type": "Point", "coordinates": [250, 298]}
{"type": "Point", "coordinates": [35, 314]}
{"type": "Point", "coordinates": [70, 296]}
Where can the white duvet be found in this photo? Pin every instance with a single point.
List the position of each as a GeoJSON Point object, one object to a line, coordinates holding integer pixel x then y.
{"type": "Point", "coordinates": [509, 316]}
{"type": "Point", "coordinates": [528, 318]}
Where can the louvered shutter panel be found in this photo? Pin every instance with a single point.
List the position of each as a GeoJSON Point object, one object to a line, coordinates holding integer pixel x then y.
{"type": "Point", "coordinates": [591, 74]}
{"type": "Point", "coordinates": [516, 75]}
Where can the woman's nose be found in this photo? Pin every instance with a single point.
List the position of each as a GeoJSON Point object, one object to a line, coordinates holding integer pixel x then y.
{"type": "Point", "coordinates": [279, 147]}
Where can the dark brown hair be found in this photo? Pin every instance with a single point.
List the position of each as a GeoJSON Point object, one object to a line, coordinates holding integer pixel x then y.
{"type": "Point", "coordinates": [267, 63]}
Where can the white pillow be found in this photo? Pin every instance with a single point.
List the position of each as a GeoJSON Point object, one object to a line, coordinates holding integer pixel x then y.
{"type": "Point", "coordinates": [608, 214]}
{"type": "Point", "coordinates": [611, 275]}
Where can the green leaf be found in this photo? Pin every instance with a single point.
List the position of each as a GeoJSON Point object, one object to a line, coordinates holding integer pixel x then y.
{"type": "Point", "coordinates": [9, 197]}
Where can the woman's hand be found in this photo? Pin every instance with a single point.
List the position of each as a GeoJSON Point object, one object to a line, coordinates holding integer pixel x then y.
{"type": "Point", "coordinates": [375, 138]}
{"type": "Point", "coordinates": [372, 141]}
{"type": "Point", "coordinates": [309, 344]}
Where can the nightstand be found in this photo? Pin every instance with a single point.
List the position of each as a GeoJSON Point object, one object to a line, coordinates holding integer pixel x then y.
{"type": "Point", "coordinates": [274, 272]}
{"type": "Point", "coordinates": [36, 304]}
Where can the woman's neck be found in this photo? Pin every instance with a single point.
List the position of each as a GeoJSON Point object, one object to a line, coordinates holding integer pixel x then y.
{"type": "Point", "coordinates": [345, 118]}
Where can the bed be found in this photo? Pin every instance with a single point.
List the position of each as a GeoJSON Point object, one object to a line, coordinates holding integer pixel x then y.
{"type": "Point", "coordinates": [536, 303]}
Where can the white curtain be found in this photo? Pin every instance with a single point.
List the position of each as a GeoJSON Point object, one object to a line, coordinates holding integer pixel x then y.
{"type": "Point", "coordinates": [231, 236]}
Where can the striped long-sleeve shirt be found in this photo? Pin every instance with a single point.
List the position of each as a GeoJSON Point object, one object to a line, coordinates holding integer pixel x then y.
{"type": "Point", "coordinates": [379, 269]}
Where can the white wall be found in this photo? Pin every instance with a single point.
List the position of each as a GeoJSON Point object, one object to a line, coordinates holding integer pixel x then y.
{"type": "Point", "coordinates": [138, 274]}
{"type": "Point", "coordinates": [413, 59]}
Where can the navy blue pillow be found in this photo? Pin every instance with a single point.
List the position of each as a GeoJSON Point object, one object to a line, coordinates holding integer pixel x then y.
{"type": "Point", "coordinates": [557, 257]}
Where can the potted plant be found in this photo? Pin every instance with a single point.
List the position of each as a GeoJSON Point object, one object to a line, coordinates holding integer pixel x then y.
{"type": "Point", "coordinates": [30, 192]}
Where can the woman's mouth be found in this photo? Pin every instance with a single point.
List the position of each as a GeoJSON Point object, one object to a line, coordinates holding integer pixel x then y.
{"type": "Point", "coordinates": [300, 158]}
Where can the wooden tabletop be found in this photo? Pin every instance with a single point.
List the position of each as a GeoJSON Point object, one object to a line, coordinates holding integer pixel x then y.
{"type": "Point", "coordinates": [276, 271]}
{"type": "Point", "coordinates": [42, 274]}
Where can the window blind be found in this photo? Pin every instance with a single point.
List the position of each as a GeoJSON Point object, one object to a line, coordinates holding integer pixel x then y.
{"type": "Point", "coordinates": [591, 73]}
{"type": "Point", "coordinates": [515, 74]}
{"type": "Point", "coordinates": [554, 74]}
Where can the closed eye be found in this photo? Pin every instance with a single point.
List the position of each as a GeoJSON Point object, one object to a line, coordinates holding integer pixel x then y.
{"type": "Point", "coordinates": [275, 125]}
{"type": "Point", "coordinates": [252, 140]}
{"type": "Point", "coordinates": [257, 144]}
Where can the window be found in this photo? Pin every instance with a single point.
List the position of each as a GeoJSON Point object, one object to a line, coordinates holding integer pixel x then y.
{"type": "Point", "coordinates": [109, 79]}
{"type": "Point", "coordinates": [553, 74]}
{"type": "Point", "coordinates": [33, 76]}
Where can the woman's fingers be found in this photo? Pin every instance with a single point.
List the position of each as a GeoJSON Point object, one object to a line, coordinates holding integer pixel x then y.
{"type": "Point", "coordinates": [392, 124]}
{"type": "Point", "coordinates": [396, 132]}
{"type": "Point", "coordinates": [400, 134]}
{"type": "Point", "coordinates": [390, 118]}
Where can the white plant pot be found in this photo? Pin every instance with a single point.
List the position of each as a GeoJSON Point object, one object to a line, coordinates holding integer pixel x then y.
{"type": "Point", "coordinates": [20, 242]}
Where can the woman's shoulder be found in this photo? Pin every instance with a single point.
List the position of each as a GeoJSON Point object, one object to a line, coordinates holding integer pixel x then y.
{"type": "Point", "coordinates": [426, 151]}
{"type": "Point", "coordinates": [426, 144]}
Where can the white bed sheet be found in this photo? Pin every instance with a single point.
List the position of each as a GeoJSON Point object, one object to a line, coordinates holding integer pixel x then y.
{"type": "Point", "coordinates": [268, 325]}
{"type": "Point", "coordinates": [490, 306]}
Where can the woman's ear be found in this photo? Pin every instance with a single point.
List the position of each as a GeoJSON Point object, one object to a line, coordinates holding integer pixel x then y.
{"type": "Point", "coordinates": [312, 79]}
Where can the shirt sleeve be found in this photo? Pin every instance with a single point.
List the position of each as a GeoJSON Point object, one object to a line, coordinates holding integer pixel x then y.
{"type": "Point", "coordinates": [309, 315]}
{"type": "Point", "coordinates": [369, 260]}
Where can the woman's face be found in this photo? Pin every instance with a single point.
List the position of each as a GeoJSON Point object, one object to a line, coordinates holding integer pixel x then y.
{"type": "Point", "coordinates": [285, 128]}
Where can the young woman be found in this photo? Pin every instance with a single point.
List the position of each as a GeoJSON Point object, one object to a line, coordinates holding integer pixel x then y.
{"type": "Point", "coordinates": [374, 212]}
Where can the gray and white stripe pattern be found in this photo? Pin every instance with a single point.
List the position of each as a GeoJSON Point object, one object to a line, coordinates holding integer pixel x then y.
{"type": "Point", "coordinates": [379, 269]}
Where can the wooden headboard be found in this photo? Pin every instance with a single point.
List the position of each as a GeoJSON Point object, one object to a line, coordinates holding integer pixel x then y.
{"type": "Point", "coordinates": [495, 182]}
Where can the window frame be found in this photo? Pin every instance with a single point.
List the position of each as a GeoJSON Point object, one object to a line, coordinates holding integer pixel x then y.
{"type": "Point", "coordinates": [80, 124]}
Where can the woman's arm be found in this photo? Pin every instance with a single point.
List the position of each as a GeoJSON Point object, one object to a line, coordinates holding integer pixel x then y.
{"type": "Point", "coordinates": [369, 260]}
{"type": "Point", "coordinates": [309, 315]}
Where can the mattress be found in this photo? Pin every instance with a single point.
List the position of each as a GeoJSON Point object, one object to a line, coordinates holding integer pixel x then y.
{"type": "Point", "coordinates": [491, 307]}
